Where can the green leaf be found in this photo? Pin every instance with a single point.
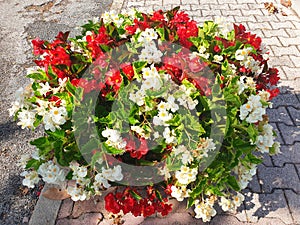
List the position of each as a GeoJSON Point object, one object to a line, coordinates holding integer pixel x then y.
{"type": "Point", "coordinates": [196, 192]}
{"type": "Point", "coordinates": [33, 164]}
{"type": "Point", "coordinates": [38, 76]}
{"type": "Point", "coordinates": [112, 150]}
{"type": "Point", "coordinates": [96, 157]}
{"type": "Point", "coordinates": [135, 195]}
{"type": "Point", "coordinates": [232, 182]}
{"type": "Point", "coordinates": [70, 88]}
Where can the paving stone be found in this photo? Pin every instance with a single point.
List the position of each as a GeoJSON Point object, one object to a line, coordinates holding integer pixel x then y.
{"type": "Point", "coordinates": [292, 32]}
{"type": "Point", "coordinates": [210, 13]}
{"type": "Point", "coordinates": [286, 100]}
{"type": "Point", "coordinates": [95, 204]}
{"type": "Point", "coordinates": [293, 200]}
{"type": "Point", "coordinates": [174, 219]}
{"type": "Point", "coordinates": [239, 6]}
{"type": "Point", "coordinates": [272, 178]}
{"type": "Point", "coordinates": [263, 25]}
{"type": "Point", "coordinates": [281, 61]}
{"type": "Point", "coordinates": [295, 114]}
{"type": "Point", "coordinates": [295, 60]}
{"type": "Point", "coordinates": [296, 24]}
{"type": "Point", "coordinates": [254, 184]}
{"type": "Point", "coordinates": [235, 12]}
{"type": "Point", "coordinates": [227, 2]}
{"type": "Point", "coordinates": [279, 114]}
{"type": "Point", "coordinates": [65, 208]}
{"type": "Point", "coordinates": [267, 206]}
{"type": "Point", "coordinates": [270, 221]}
{"type": "Point", "coordinates": [88, 219]}
{"type": "Point", "coordinates": [286, 24]}
{"type": "Point", "coordinates": [289, 86]}
{"type": "Point", "coordinates": [275, 33]}
{"type": "Point", "coordinates": [243, 19]}
{"type": "Point", "coordinates": [226, 219]}
{"type": "Point", "coordinates": [289, 154]}
{"type": "Point", "coordinates": [277, 138]}
{"type": "Point", "coordinates": [291, 72]}
{"type": "Point", "coordinates": [183, 2]}
{"type": "Point", "coordinates": [289, 41]}
{"type": "Point", "coordinates": [135, 4]}
{"type": "Point", "coordinates": [214, 2]}
{"type": "Point", "coordinates": [272, 41]}
{"type": "Point", "coordinates": [290, 50]}
{"type": "Point", "coordinates": [249, 12]}
{"type": "Point", "coordinates": [270, 18]}
{"type": "Point", "coordinates": [290, 134]}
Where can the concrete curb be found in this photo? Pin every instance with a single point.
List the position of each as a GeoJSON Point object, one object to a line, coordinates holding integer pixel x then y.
{"type": "Point", "coordinates": [45, 210]}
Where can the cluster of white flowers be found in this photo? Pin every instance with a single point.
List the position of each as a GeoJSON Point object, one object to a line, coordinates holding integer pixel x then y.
{"type": "Point", "coordinates": [180, 193]}
{"type": "Point", "coordinates": [253, 110]}
{"type": "Point", "coordinates": [205, 210]}
{"type": "Point", "coordinates": [131, 13]}
{"type": "Point", "coordinates": [110, 174]}
{"type": "Point", "coordinates": [112, 16]}
{"type": "Point", "coordinates": [186, 175]}
{"type": "Point", "coordinates": [265, 140]}
{"type": "Point", "coordinates": [231, 204]}
{"type": "Point", "coordinates": [31, 178]}
{"type": "Point", "coordinates": [185, 99]}
{"type": "Point", "coordinates": [140, 131]}
{"type": "Point", "coordinates": [218, 59]}
{"type": "Point", "coordinates": [245, 83]}
{"type": "Point", "coordinates": [52, 173]}
{"type": "Point", "coordinates": [183, 153]}
{"type": "Point", "coordinates": [245, 174]}
{"type": "Point", "coordinates": [114, 138]}
{"type": "Point", "coordinates": [248, 61]}
{"type": "Point", "coordinates": [204, 146]}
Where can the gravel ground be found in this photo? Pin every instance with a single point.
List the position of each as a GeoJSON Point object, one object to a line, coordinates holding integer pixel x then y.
{"type": "Point", "coordinates": [20, 23]}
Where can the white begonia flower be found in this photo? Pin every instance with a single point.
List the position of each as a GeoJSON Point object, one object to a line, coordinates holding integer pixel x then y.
{"type": "Point", "coordinates": [42, 107]}
{"type": "Point", "coordinates": [276, 146]}
{"type": "Point", "coordinates": [100, 180]}
{"type": "Point", "coordinates": [151, 83]}
{"type": "Point", "coordinates": [150, 53]}
{"type": "Point", "coordinates": [106, 16]}
{"type": "Point", "coordinates": [157, 121]}
{"type": "Point", "coordinates": [180, 192]}
{"type": "Point", "coordinates": [169, 135]}
{"type": "Point", "coordinates": [253, 110]}
{"type": "Point", "coordinates": [48, 123]}
{"type": "Point", "coordinates": [78, 171]}
{"type": "Point", "coordinates": [44, 88]}
{"type": "Point", "coordinates": [77, 193]}
{"type": "Point", "coordinates": [114, 138]}
{"type": "Point", "coordinates": [265, 140]}
{"type": "Point", "coordinates": [264, 95]}
{"type": "Point", "coordinates": [204, 211]}
{"type": "Point", "coordinates": [218, 58]}
{"type": "Point", "coordinates": [224, 26]}
{"type": "Point", "coordinates": [186, 175]}
{"type": "Point", "coordinates": [52, 173]}
{"type": "Point", "coordinates": [238, 200]}
{"type": "Point", "coordinates": [171, 102]}
{"type": "Point", "coordinates": [23, 160]}
{"type": "Point", "coordinates": [58, 115]}
{"type": "Point", "coordinates": [147, 36]}
{"type": "Point", "coordinates": [226, 204]}
{"type": "Point", "coordinates": [164, 115]}
{"type": "Point", "coordinates": [138, 97]}
{"type": "Point", "coordinates": [26, 118]}
{"type": "Point", "coordinates": [114, 174]}
{"type": "Point", "coordinates": [242, 54]}
{"type": "Point", "coordinates": [31, 178]}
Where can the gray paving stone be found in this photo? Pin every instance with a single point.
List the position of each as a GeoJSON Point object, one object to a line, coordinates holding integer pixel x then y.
{"type": "Point", "coordinates": [289, 154]}
{"type": "Point", "coordinates": [264, 207]}
{"type": "Point", "coordinates": [277, 138]}
{"type": "Point", "coordinates": [290, 134]}
{"type": "Point", "coordinates": [290, 50]}
{"type": "Point", "coordinates": [279, 114]}
{"type": "Point", "coordinates": [65, 208]}
{"type": "Point", "coordinates": [289, 86]}
{"type": "Point", "coordinates": [295, 114]}
{"type": "Point", "coordinates": [293, 200]}
{"type": "Point", "coordinates": [254, 185]}
{"type": "Point", "coordinates": [296, 24]}
{"type": "Point", "coordinates": [249, 12]}
{"type": "Point", "coordinates": [95, 204]}
{"type": "Point", "coordinates": [293, 32]}
{"type": "Point", "coordinates": [235, 12]}
{"type": "Point", "coordinates": [213, 12]}
{"type": "Point", "coordinates": [270, 18]}
{"type": "Point", "coordinates": [239, 6]}
{"type": "Point", "coordinates": [298, 169]}
{"type": "Point", "coordinates": [286, 100]}
{"type": "Point", "coordinates": [272, 178]}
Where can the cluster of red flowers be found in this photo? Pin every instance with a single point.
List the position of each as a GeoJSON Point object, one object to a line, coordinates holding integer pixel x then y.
{"type": "Point", "coordinates": [130, 200]}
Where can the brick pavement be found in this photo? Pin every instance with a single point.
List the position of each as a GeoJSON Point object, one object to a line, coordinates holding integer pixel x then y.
{"type": "Point", "coordinates": [275, 190]}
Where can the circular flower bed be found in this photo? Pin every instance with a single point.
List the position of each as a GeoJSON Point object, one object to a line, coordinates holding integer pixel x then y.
{"type": "Point", "coordinates": [153, 104]}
